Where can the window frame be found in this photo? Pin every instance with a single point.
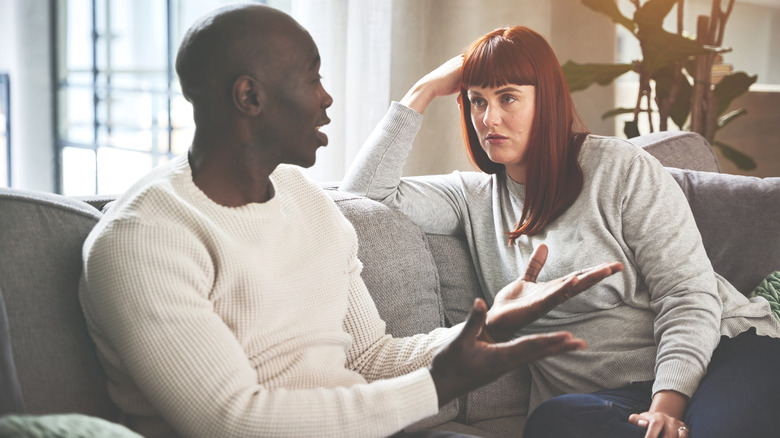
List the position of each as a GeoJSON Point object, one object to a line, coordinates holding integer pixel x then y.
{"type": "Point", "coordinates": [101, 93]}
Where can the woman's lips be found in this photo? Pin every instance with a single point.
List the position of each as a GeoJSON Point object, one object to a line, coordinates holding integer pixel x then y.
{"type": "Point", "coordinates": [495, 139]}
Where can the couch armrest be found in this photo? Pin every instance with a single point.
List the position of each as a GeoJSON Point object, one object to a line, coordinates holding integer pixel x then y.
{"type": "Point", "coordinates": [680, 149]}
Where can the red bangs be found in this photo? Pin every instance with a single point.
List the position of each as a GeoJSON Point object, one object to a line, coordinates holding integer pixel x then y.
{"type": "Point", "coordinates": [497, 59]}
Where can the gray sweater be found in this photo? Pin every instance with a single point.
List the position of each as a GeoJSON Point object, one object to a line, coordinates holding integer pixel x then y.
{"type": "Point", "coordinates": [660, 318]}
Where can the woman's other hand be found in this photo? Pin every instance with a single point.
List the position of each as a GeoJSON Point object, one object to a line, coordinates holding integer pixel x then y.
{"type": "Point", "coordinates": [664, 416]}
{"type": "Point", "coordinates": [443, 81]}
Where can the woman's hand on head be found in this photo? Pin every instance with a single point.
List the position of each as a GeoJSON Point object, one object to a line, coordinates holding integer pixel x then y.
{"type": "Point", "coordinates": [443, 81]}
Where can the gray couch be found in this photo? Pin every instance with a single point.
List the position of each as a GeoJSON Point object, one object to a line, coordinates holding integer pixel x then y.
{"type": "Point", "coordinates": [419, 282]}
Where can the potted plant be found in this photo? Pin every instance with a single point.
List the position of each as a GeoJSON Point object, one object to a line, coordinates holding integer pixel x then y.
{"type": "Point", "coordinates": [675, 72]}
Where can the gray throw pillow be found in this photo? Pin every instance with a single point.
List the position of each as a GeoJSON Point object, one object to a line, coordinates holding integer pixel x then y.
{"type": "Point", "coordinates": [737, 217]}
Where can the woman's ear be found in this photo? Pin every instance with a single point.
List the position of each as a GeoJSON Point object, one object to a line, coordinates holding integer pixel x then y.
{"type": "Point", "coordinates": [248, 95]}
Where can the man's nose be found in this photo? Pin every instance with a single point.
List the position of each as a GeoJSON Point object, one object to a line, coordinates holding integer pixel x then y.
{"type": "Point", "coordinates": [327, 99]}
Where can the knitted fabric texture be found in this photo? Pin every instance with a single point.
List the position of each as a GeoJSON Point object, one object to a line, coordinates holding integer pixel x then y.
{"type": "Point", "coordinates": [61, 426]}
{"type": "Point", "coordinates": [769, 289]}
{"type": "Point", "coordinates": [247, 321]}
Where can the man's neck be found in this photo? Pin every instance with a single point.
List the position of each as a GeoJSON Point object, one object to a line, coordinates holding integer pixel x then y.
{"type": "Point", "coordinates": [231, 180]}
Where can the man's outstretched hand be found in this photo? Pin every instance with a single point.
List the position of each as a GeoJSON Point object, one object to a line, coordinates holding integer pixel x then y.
{"type": "Point", "coordinates": [523, 301]}
{"type": "Point", "coordinates": [474, 358]}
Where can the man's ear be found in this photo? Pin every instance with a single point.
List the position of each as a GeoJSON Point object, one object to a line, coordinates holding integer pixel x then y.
{"type": "Point", "coordinates": [248, 95]}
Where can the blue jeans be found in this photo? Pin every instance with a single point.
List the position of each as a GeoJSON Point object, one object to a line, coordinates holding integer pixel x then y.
{"type": "Point", "coordinates": [738, 397]}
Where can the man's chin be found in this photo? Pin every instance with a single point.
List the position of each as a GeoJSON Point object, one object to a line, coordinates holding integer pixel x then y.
{"type": "Point", "coordinates": [305, 162]}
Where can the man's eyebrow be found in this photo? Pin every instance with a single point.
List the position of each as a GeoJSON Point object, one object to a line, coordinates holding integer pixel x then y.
{"type": "Point", "coordinates": [315, 63]}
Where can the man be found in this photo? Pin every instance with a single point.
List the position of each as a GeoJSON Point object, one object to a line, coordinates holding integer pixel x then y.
{"type": "Point", "coordinates": [223, 289]}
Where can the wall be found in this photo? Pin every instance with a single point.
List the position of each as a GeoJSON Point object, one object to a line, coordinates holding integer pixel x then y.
{"type": "Point", "coordinates": [757, 133]}
{"type": "Point", "coordinates": [427, 33]}
{"type": "Point", "coordinates": [25, 54]}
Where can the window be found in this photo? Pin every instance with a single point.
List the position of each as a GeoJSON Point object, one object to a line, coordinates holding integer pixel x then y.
{"type": "Point", "coordinates": [120, 111]}
{"type": "Point", "coordinates": [5, 132]}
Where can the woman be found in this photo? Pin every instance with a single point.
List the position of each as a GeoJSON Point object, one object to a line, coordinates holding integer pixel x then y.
{"type": "Point", "coordinates": [652, 330]}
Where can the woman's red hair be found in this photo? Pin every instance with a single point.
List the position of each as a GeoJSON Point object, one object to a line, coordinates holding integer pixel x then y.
{"type": "Point", "coordinates": [520, 56]}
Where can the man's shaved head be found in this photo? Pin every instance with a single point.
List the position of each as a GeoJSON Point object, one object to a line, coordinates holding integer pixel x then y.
{"type": "Point", "coordinates": [234, 40]}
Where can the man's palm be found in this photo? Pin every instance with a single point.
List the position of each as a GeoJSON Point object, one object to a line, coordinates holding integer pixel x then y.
{"type": "Point", "coordinates": [523, 301]}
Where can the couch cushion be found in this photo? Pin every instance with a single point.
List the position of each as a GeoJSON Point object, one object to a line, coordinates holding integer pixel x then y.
{"type": "Point", "coordinates": [500, 407]}
{"type": "Point", "coordinates": [680, 149]}
{"type": "Point", "coordinates": [398, 267]}
{"type": "Point", "coordinates": [737, 217]}
{"type": "Point", "coordinates": [400, 274]}
{"type": "Point", "coordinates": [458, 278]}
{"type": "Point", "coordinates": [11, 400]}
{"type": "Point", "coordinates": [57, 368]}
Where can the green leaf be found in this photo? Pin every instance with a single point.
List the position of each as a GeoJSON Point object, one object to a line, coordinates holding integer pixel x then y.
{"type": "Point", "coordinates": [631, 129]}
{"type": "Point", "coordinates": [618, 111]}
{"type": "Point", "coordinates": [653, 12]}
{"type": "Point", "coordinates": [661, 48]}
{"type": "Point", "coordinates": [582, 76]}
{"type": "Point", "coordinates": [742, 161]}
{"type": "Point", "coordinates": [610, 9]}
{"type": "Point", "coordinates": [664, 80]}
{"type": "Point", "coordinates": [731, 87]}
{"type": "Point", "coordinates": [681, 106]}
{"type": "Point", "coordinates": [730, 117]}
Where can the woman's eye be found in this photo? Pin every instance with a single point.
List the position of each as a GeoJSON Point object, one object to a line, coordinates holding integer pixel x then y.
{"type": "Point", "coordinates": [477, 102]}
{"type": "Point", "coordinates": [508, 98]}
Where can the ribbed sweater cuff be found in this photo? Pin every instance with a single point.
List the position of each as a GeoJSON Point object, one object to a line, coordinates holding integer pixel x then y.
{"type": "Point", "coordinates": [677, 376]}
{"type": "Point", "coordinates": [415, 397]}
{"type": "Point", "coordinates": [400, 118]}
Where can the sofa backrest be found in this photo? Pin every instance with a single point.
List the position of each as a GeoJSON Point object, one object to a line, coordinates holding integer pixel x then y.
{"type": "Point", "coordinates": [55, 362]}
{"type": "Point", "coordinates": [419, 282]}
{"type": "Point", "coordinates": [398, 267]}
{"type": "Point", "coordinates": [679, 149]}
{"type": "Point", "coordinates": [11, 399]}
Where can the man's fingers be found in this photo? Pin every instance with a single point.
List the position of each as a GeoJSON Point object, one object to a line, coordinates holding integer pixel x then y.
{"type": "Point", "coordinates": [476, 318]}
{"type": "Point", "coordinates": [535, 264]}
{"type": "Point", "coordinates": [588, 277]}
{"type": "Point", "coordinates": [534, 347]}
{"type": "Point", "coordinates": [580, 281]}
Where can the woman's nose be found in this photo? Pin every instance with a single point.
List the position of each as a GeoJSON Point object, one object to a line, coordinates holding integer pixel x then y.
{"type": "Point", "coordinates": [491, 117]}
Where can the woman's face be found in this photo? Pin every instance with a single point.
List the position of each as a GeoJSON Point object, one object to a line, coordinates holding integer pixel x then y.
{"type": "Point", "coordinates": [502, 117]}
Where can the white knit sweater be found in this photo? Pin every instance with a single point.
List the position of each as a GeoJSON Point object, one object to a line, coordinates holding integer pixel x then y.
{"type": "Point", "coordinates": [248, 321]}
